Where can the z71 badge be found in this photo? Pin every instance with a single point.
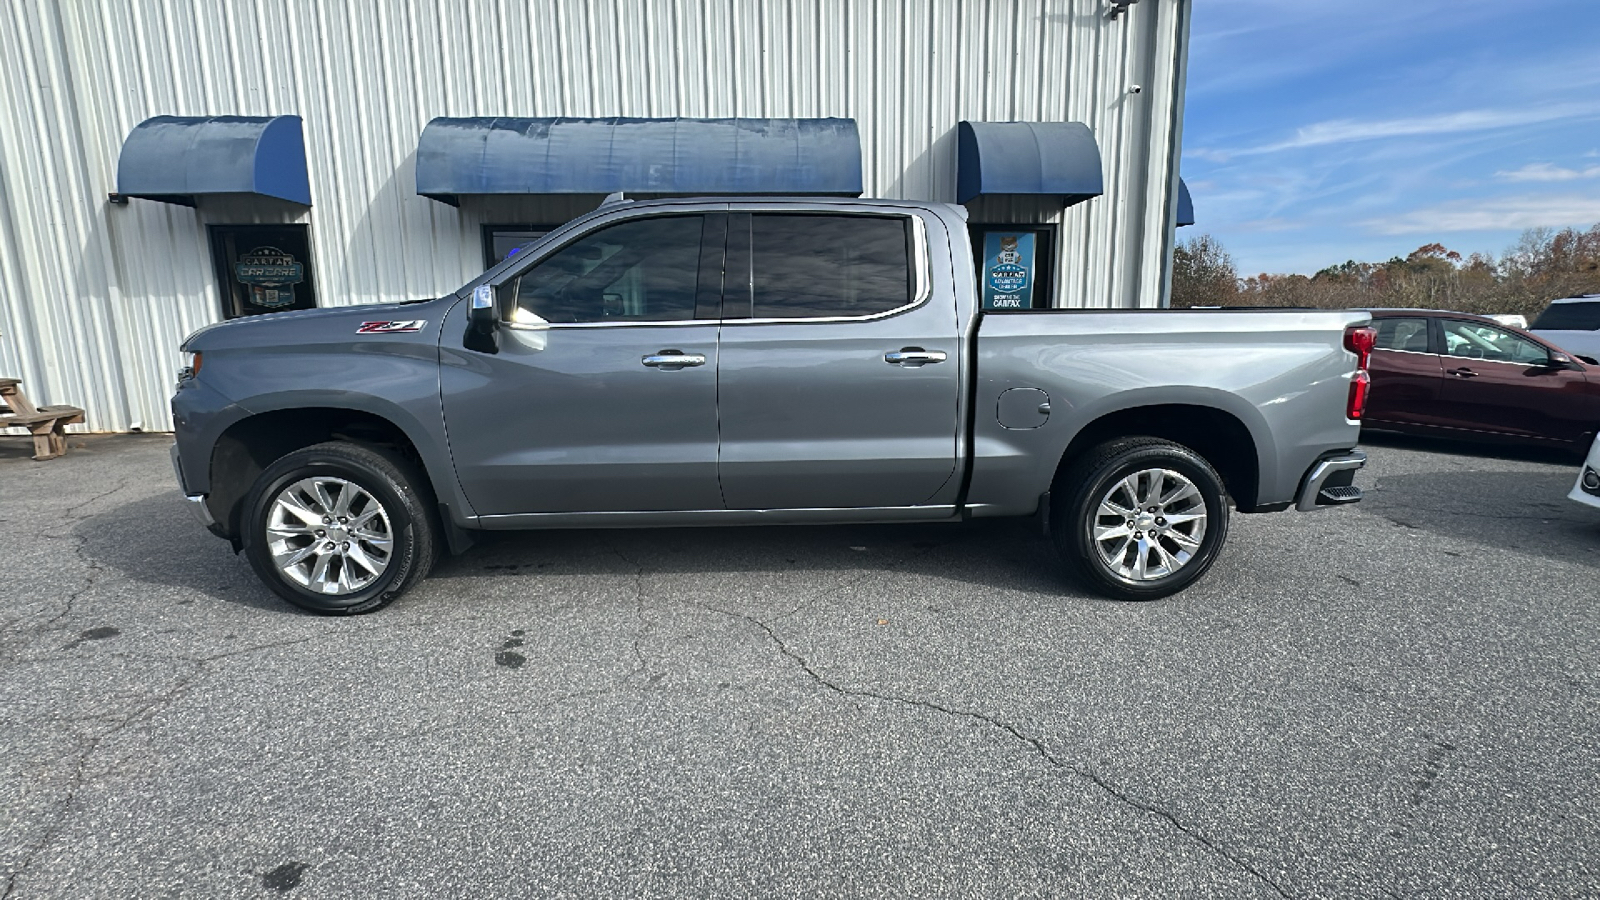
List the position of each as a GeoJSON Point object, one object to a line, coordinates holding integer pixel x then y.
{"type": "Point", "coordinates": [391, 327]}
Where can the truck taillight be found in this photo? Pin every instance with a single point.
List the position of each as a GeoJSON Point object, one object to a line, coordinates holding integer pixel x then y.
{"type": "Point", "coordinates": [1359, 384]}
{"type": "Point", "coordinates": [1359, 340]}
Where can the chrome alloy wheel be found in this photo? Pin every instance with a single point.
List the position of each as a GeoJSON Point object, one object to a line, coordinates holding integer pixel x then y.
{"type": "Point", "coordinates": [329, 535]}
{"type": "Point", "coordinates": [1149, 525]}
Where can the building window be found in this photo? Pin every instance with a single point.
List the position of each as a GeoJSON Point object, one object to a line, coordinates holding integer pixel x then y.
{"type": "Point", "coordinates": [501, 241]}
{"type": "Point", "coordinates": [263, 268]}
{"type": "Point", "coordinates": [1015, 265]}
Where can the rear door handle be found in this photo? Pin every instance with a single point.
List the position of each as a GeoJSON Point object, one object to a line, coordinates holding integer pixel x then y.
{"type": "Point", "coordinates": [911, 357]}
{"type": "Point", "coordinates": [673, 359]}
{"type": "Point", "coordinates": [1462, 373]}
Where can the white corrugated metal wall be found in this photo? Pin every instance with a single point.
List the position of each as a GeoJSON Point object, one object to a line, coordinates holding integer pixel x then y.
{"type": "Point", "coordinates": [97, 297]}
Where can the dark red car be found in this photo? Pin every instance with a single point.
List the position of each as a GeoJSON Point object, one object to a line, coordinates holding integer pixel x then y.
{"type": "Point", "coordinates": [1451, 374]}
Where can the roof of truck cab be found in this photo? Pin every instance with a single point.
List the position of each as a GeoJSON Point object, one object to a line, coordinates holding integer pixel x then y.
{"type": "Point", "coordinates": [1408, 311]}
{"type": "Point", "coordinates": [783, 199]}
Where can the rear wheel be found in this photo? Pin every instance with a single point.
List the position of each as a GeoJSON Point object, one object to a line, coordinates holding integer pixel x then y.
{"type": "Point", "coordinates": [339, 528]}
{"type": "Point", "coordinates": [1139, 518]}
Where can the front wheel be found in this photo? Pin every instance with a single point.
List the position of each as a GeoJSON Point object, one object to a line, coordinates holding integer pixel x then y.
{"type": "Point", "coordinates": [339, 528]}
{"type": "Point", "coordinates": [1140, 518]}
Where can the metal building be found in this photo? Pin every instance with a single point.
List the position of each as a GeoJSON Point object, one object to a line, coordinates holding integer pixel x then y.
{"type": "Point", "coordinates": [168, 163]}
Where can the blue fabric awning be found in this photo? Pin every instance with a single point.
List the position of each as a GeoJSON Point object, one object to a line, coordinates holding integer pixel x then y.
{"type": "Point", "coordinates": [175, 159]}
{"type": "Point", "coordinates": [1028, 158]}
{"type": "Point", "coordinates": [457, 157]}
{"type": "Point", "coordinates": [1185, 205]}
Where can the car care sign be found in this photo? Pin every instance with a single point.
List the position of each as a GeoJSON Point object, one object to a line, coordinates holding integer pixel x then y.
{"type": "Point", "coordinates": [1008, 270]}
{"type": "Point", "coordinates": [271, 275]}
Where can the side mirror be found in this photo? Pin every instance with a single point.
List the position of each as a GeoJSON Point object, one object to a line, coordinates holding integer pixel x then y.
{"type": "Point", "coordinates": [483, 321]}
{"type": "Point", "coordinates": [1558, 361]}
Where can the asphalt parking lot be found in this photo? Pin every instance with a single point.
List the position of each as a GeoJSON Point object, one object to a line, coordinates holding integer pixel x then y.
{"type": "Point", "coordinates": [1394, 700]}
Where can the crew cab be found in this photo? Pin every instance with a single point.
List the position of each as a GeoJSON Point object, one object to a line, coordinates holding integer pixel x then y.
{"type": "Point", "coordinates": [740, 361]}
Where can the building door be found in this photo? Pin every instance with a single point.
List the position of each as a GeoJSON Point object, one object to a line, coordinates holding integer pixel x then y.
{"type": "Point", "coordinates": [839, 375]}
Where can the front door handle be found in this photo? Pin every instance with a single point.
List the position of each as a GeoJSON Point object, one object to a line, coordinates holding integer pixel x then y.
{"type": "Point", "coordinates": [911, 357]}
{"type": "Point", "coordinates": [1462, 373]}
{"type": "Point", "coordinates": [673, 360]}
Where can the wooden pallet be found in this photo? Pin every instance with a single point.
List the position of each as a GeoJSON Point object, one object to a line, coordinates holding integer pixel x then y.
{"type": "Point", "coordinates": [47, 424]}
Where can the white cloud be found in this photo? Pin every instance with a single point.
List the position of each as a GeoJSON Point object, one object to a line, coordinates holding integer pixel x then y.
{"type": "Point", "coordinates": [1548, 172]}
{"type": "Point", "coordinates": [1557, 211]}
{"type": "Point", "coordinates": [1343, 131]}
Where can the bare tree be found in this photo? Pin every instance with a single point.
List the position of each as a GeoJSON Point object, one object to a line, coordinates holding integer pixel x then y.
{"type": "Point", "coordinates": [1203, 274]}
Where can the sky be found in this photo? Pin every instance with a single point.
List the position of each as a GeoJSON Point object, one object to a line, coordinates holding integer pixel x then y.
{"type": "Point", "coordinates": [1317, 131]}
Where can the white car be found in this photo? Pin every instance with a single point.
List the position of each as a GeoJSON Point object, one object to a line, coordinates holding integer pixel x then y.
{"type": "Point", "coordinates": [1573, 324]}
{"type": "Point", "coordinates": [1587, 488]}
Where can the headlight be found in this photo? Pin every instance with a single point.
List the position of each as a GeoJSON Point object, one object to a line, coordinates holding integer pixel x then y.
{"type": "Point", "coordinates": [191, 366]}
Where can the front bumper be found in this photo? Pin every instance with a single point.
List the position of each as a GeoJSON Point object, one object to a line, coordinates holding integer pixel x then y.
{"type": "Point", "coordinates": [197, 502]}
{"type": "Point", "coordinates": [1586, 489]}
{"type": "Point", "coordinates": [1330, 482]}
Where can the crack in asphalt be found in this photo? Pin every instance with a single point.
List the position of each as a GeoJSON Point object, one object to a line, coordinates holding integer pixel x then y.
{"type": "Point", "coordinates": [646, 625]}
{"type": "Point", "coordinates": [80, 550]}
{"type": "Point", "coordinates": [149, 709]}
{"type": "Point", "coordinates": [79, 777]}
{"type": "Point", "coordinates": [1031, 742]}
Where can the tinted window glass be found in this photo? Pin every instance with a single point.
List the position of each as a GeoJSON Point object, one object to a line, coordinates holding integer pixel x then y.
{"type": "Point", "coordinates": [641, 270]}
{"type": "Point", "coordinates": [1569, 317]}
{"type": "Point", "coordinates": [1402, 334]}
{"type": "Point", "coordinates": [814, 266]}
{"type": "Point", "coordinates": [1477, 341]}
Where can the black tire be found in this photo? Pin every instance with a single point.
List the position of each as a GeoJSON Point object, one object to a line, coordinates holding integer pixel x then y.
{"type": "Point", "coordinates": [395, 484]}
{"type": "Point", "coordinates": [1075, 513]}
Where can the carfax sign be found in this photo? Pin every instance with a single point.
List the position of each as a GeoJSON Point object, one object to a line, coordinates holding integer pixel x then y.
{"type": "Point", "coordinates": [1008, 270]}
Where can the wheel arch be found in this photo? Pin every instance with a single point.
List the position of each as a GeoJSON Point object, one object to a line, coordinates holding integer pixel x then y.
{"type": "Point", "coordinates": [1218, 435]}
{"type": "Point", "coordinates": [247, 446]}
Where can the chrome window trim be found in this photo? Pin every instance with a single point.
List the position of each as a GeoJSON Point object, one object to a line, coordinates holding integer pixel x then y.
{"type": "Point", "coordinates": [1412, 352]}
{"type": "Point", "coordinates": [1498, 362]}
{"type": "Point", "coordinates": [920, 265]}
{"type": "Point", "coordinates": [646, 323]}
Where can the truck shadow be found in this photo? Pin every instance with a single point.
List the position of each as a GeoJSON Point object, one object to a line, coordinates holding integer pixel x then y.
{"type": "Point", "coordinates": [156, 540]}
{"type": "Point", "coordinates": [999, 554]}
{"type": "Point", "coordinates": [1452, 447]}
{"type": "Point", "coordinates": [1527, 512]}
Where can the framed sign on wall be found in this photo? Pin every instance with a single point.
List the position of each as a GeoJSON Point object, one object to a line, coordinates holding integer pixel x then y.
{"type": "Point", "coordinates": [1014, 265]}
{"type": "Point", "coordinates": [263, 268]}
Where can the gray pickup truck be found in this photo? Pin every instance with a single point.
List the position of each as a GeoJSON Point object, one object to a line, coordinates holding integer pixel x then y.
{"type": "Point", "coordinates": [740, 361]}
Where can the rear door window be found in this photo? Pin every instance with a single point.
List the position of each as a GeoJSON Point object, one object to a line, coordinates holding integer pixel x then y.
{"type": "Point", "coordinates": [1408, 333]}
{"type": "Point", "coordinates": [1583, 316]}
{"type": "Point", "coordinates": [824, 266]}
